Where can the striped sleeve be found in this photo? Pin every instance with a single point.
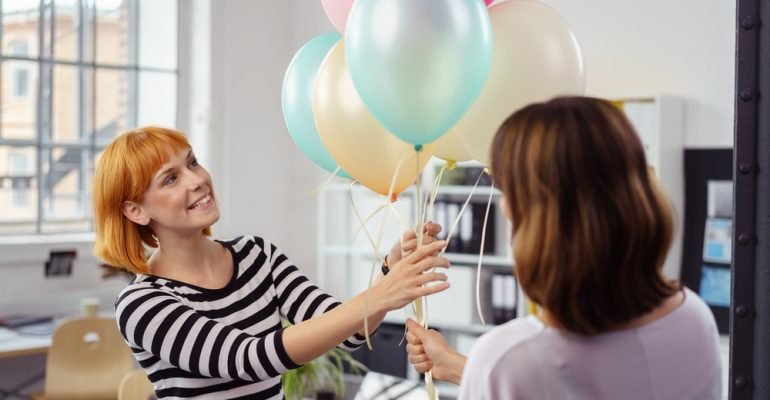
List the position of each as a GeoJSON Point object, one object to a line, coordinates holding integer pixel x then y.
{"type": "Point", "coordinates": [157, 322]}
{"type": "Point", "coordinates": [298, 298]}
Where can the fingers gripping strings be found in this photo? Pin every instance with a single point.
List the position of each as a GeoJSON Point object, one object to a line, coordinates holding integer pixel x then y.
{"type": "Point", "coordinates": [376, 244]}
{"type": "Point", "coordinates": [424, 211]}
{"type": "Point", "coordinates": [421, 301]}
{"type": "Point", "coordinates": [428, 209]}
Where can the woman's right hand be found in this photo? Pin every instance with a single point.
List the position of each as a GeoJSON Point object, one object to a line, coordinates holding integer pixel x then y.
{"type": "Point", "coordinates": [429, 351]}
{"type": "Point", "coordinates": [408, 279]}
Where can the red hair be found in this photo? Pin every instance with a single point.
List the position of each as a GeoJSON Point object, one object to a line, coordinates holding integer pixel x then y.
{"type": "Point", "coordinates": [123, 174]}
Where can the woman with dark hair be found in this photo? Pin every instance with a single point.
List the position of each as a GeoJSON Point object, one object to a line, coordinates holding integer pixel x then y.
{"type": "Point", "coordinates": [204, 317]}
{"type": "Point", "coordinates": [591, 229]}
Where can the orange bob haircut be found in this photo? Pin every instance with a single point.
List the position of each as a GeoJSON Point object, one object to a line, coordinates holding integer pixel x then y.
{"type": "Point", "coordinates": [123, 174]}
{"type": "Point", "coordinates": [591, 224]}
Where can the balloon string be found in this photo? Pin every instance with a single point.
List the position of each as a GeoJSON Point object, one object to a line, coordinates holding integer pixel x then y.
{"type": "Point", "coordinates": [326, 182]}
{"type": "Point", "coordinates": [430, 200]}
{"type": "Point", "coordinates": [449, 165]}
{"type": "Point", "coordinates": [363, 228]}
{"type": "Point", "coordinates": [419, 231]}
{"type": "Point", "coordinates": [403, 227]}
{"type": "Point", "coordinates": [434, 191]}
{"type": "Point", "coordinates": [481, 256]}
{"type": "Point", "coordinates": [432, 389]}
{"type": "Point", "coordinates": [376, 251]}
{"type": "Point", "coordinates": [401, 223]}
{"type": "Point", "coordinates": [460, 214]}
{"type": "Point", "coordinates": [362, 222]}
{"type": "Point", "coordinates": [421, 303]}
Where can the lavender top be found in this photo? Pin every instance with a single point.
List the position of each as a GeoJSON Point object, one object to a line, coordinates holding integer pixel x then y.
{"type": "Point", "coordinates": [674, 357]}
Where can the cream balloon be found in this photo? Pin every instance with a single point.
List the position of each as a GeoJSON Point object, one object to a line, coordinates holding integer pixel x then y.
{"type": "Point", "coordinates": [450, 147]}
{"type": "Point", "coordinates": [535, 57]}
{"type": "Point", "coordinates": [354, 138]}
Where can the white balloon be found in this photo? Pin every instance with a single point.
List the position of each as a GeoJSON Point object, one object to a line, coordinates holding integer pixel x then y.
{"type": "Point", "coordinates": [535, 57]}
{"type": "Point", "coordinates": [450, 147]}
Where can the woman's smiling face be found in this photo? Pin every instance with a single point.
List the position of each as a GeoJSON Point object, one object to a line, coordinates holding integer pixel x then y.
{"type": "Point", "coordinates": [180, 196]}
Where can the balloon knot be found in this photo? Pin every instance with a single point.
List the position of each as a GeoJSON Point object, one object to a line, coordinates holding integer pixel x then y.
{"type": "Point", "coordinates": [486, 171]}
{"type": "Point", "coordinates": [451, 165]}
{"type": "Point", "coordinates": [393, 197]}
{"type": "Point", "coordinates": [418, 148]}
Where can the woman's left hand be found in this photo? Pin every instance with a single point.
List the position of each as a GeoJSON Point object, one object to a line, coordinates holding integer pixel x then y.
{"type": "Point", "coordinates": [409, 240]}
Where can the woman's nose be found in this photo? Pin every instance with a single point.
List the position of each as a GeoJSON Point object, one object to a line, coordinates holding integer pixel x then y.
{"type": "Point", "coordinates": [195, 181]}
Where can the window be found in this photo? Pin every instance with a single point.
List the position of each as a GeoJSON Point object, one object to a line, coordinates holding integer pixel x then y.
{"type": "Point", "coordinates": [19, 48]}
{"type": "Point", "coordinates": [18, 166]}
{"type": "Point", "coordinates": [20, 79]}
{"type": "Point", "coordinates": [74, 74]}
{"type": "Point", "coordinates": [20, 82]}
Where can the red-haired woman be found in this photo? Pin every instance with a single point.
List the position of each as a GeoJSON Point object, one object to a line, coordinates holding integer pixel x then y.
{"type": "Point", "coordinates": [203, 317]}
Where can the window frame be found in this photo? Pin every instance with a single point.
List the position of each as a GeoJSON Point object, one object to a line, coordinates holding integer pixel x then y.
{"type": "Point", "coordinates": [87, 69]}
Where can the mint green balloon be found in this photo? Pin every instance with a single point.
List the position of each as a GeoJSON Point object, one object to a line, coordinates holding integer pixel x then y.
{"type": "Point", "coordinates": [297, 100]}
{"type": "Point", "coordinates": [418, 65]}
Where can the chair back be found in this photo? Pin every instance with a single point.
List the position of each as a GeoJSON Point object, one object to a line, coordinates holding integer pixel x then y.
{"type": "Point", "coordinates": [87, 360]}
{"type": "Point", "coordinates": [136, 386]}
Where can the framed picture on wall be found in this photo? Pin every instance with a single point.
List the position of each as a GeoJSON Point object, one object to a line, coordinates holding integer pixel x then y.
{"type": "Point", "coordinates": [707, 235]}
{"type": "Point", "coordinates": [714, 286]}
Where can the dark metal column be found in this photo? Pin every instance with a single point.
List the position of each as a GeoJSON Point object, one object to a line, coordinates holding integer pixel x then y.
{"type": "Point", "coordinates": [762, 217]}
{"type": "Point", "coordinates": [750, 313]}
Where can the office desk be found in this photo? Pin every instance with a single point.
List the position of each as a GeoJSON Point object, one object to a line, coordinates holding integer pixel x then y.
{"type": "Point", "coordinates": [13, 344]}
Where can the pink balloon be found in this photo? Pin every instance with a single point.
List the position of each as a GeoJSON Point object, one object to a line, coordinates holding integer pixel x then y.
{"type": "Point", "coordinates": [338, 11]}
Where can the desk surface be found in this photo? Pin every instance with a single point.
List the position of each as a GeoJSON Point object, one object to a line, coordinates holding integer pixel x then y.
{"type": "Point", "coordinates": [13, 344]}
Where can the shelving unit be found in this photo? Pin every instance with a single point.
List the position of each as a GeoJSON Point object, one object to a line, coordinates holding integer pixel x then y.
{"type": "Point", "coordinates": [659, 121]}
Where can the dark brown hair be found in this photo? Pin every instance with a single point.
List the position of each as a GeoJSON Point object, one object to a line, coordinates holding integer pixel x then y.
{"type": "Point", "coordinates": [591, 224]}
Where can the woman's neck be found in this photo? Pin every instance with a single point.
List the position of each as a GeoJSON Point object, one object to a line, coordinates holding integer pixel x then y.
{"type": "Point", "coordinates": [188, 258]}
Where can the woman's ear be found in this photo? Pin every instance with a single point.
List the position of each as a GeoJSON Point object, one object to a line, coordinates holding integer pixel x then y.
{"type": "Point", "coordinates": [135, 213]}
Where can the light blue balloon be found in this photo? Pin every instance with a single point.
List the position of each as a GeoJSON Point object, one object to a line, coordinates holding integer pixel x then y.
{"type": "Point", "coordinates": [297, 100]}
{"type": "Point", "coordinates": [418, 65]}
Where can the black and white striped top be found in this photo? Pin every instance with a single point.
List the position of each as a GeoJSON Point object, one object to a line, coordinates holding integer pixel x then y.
{"type": "Point", "coordinates": [221, 343]}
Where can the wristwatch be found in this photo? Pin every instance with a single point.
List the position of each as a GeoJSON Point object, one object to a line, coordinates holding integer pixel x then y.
{"type": "Point", "coordinates": [385, 268]}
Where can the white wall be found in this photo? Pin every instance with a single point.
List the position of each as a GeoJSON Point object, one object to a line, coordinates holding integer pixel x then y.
{"type": "Point", "coordinates": [24, 288]}
{"type": "Point", "coordinates": [636, 48]}
{"type": "Point", "coordinates": [262, 178]}
{"type": "Point", "coordinates": [631, 49]}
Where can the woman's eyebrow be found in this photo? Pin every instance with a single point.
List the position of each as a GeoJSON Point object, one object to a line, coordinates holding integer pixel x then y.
{"type": "Point", "coordinates": [169, 169]}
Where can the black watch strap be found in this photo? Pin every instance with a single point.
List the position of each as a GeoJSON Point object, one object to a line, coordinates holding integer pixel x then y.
{"type": "Point", "coordinates": [385, 267]}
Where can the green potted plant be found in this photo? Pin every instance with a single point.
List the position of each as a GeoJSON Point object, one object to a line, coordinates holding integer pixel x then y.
{"type": "Point", "coordinates": [322, 378]}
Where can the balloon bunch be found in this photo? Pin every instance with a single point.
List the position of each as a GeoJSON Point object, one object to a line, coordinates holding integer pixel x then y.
{"type": "Point", "coordinates": [403, 74]}
{"type": "Point", "coordinates": [437, 76]}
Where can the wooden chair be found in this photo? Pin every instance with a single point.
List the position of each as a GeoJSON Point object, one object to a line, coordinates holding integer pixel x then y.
{"type": "Point", "coordinates": [87, 360]}
{"type": "Point", "coordinates": [136, 386]}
